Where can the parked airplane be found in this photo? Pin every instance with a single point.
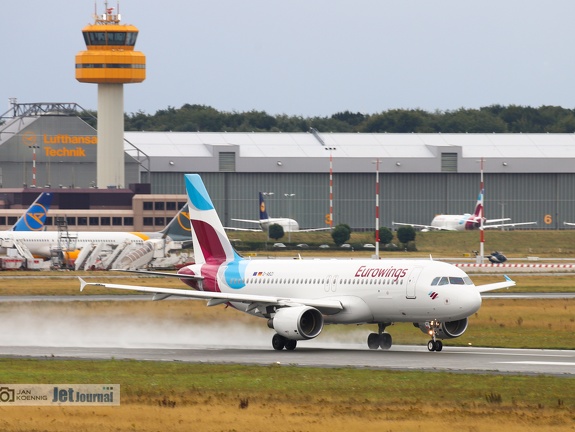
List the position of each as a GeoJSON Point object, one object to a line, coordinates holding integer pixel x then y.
{"type": "Point", "coordinates": [35, 217]}
{"type": "Point", "coordinates": [288, 225]}
{"type": "Point", "coordinates": [465, 221]}
{"type": "Point", "coordinates": [298, 297]}
{"type": "Point", "coordinates": [41, 244]}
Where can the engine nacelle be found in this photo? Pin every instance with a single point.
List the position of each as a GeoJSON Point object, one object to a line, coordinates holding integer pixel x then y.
{"type": "Point", "coordinates": [297, 323]}
{"type": "Point", "coordinates": [445, 330]}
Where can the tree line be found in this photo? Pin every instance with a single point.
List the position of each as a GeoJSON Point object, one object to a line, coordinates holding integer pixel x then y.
{"type": "Point", "coordinates": [491, 119]}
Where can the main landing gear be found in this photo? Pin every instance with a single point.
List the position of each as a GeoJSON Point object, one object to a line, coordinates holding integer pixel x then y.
{"type": "Point", "coordinates": [279, 343]}
{"type": "Point", "coordinates": [380, 339]}
{"type": "Point", "coordinates": [434, 344]}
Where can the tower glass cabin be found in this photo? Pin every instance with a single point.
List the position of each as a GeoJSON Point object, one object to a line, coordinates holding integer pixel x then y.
{"type": "Point", "coordinates": [110, 57]}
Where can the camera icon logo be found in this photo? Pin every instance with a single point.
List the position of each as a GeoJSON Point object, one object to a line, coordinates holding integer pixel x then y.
{"type": "Point", "coordinates": [6, 394]}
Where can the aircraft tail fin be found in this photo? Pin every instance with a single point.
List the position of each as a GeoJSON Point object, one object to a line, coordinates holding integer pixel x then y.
{"type": "Point", "coordinates": [211, 244]}
{"type": "Point", "coordinates": [179, 228]}
{"type": "Point", "coordinates": [35, 216]}
{"type": "Point", "coordinates": [263, 211]}
{"type": "Point", "coordinates": [479, 205]}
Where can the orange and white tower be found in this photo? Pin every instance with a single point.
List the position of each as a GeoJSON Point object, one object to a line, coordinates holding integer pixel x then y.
{"type": "Point", "coordinates": [110, 61]}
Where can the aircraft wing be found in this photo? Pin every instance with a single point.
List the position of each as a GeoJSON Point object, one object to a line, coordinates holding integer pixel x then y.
{"type": "Point", "coordinates": [428, 227]}
{"type": "Point", "coordinates": [497, 285]}
{"type": "Point", "coordinates": [569, 223]}
{"type": "Point", "coordinates": [315, 229]}
{"type": "Point", "coordinates": [242, 229]}
{"type": "Point", "coordinates": [497, 220]}
{"type": "Point", "coordinates": [247, 220]}
{"type": "Point", "coordinates": [215, 298]}
{"type": "Point", "coordinates": [508, 225]}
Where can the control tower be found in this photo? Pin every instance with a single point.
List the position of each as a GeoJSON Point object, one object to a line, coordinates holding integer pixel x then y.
{"type": "Point", "coordinates": [110, 61]}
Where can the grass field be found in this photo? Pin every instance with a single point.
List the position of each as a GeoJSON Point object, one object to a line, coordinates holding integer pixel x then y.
{"type": "Point", "coordinates": [514, 244]}
{"type": "Point", "coordinates": [183, 397]}
{"type": "Point", "coordinates": [202, 397]}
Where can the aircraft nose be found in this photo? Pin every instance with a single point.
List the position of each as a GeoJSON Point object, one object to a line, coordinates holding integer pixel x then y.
{"type": "Point", "coordinates": [471, 301]}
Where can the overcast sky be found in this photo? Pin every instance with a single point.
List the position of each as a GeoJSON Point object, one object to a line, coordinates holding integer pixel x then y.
{"type": "Point", "coordinates": [304, 57]}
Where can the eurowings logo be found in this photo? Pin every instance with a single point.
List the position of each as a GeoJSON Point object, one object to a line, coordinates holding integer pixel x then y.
{"type": "Point", "coordinates": [433, 295]}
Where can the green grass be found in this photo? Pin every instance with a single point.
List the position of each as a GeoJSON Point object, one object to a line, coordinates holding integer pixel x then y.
{"type": "Point", "coordinates": [188, 383]}
{"type": "Point", "coordinates": [514, 244]}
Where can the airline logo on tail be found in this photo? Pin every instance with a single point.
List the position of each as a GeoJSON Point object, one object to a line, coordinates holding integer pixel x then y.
{"type": "Point", "coordinates": [211, 245]}
{"type": "Point", "coordinates": [35, 216]}
{"type": "Point", "coordinates": [263, 211]}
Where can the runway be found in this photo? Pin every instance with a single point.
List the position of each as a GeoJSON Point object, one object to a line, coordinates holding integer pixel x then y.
{"type": "Point", "coordinates": [315, 354]}
{"type": "Point", "coordinates": [75, 335]}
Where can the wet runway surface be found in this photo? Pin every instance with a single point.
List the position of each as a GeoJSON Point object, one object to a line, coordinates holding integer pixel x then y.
{"type": "Point", "coordinates": [315, 354]}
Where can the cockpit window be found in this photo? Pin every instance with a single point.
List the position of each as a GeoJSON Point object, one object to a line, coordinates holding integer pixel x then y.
{"type": "Point", "coordinates": [456, 281]}
{"type": "Point", "coordinates": [453, 280]}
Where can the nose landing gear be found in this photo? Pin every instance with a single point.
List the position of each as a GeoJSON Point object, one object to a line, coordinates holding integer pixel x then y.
{"type": "Point", "coordinates": [434, 344]}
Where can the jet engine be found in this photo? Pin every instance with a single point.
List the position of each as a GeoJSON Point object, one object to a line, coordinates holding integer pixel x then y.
{"type": "Point", "coordinates": [445, 330]}
{"type": "Point", "coordinates": [297, 323]}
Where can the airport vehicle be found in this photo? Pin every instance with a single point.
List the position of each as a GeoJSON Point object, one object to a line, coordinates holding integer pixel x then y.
{"type": "Point", "coordinates": [35, 217]}
{"type": "Point", "coordinates": [288, 225]}
{"type": "Point", "coordinates": [466, 221]}
{"type": "Point", "coordinates": [298, 297]}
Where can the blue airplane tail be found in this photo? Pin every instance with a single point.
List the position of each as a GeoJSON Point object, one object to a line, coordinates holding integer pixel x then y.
{"type": "Point", "coordinates": [35, 216]}
{"type": "Point", "coordinates": [263, 211]}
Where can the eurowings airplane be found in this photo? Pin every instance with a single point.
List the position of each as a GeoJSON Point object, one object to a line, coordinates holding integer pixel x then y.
{"type": "Point", "coordinates": [299, 297]}
{"type": "Point", "coordinates": [42, 243]}
{"type": "Point", "coordinates": [35, 217]}
{"type": "Point", "coordinates": [465, 221]}
{"type": "Point", "coordinates": [288, 225]}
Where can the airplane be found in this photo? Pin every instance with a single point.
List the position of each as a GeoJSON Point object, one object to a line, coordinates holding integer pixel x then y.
{"type": "Point", "coordinates": [288, 225]}
{"type": "Point", "coordinates": [299, 297]}
{"type": "Point", "coordinates": [35, 217]}
{"type": "Point", "coordinates": [41, 244]}
{"type": "Point", "coordinates": [465, 221]}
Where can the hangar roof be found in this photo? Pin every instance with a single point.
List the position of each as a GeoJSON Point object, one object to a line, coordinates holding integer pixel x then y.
{"type": "Point", "coordinates": [412, 152]}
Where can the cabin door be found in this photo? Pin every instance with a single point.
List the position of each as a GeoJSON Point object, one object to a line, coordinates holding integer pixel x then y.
{"type": "Point", "coordinates": [411, 282]}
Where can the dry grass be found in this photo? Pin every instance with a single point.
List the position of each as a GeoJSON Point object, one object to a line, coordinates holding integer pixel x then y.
{"type": "Point", "coordinates": [180, 397]}
{"type": "Point", "coordinates": [285, 417]}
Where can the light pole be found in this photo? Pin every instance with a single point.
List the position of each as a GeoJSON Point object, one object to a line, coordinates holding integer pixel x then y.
{"type": "Point", "coordinates": [376, 162]}
{"type": "Point", "coordinates": [317, 136]}
{"type": "Point", "coordinates": [289, 195]}
{"type": "Point", "coordinates": [34, 147]}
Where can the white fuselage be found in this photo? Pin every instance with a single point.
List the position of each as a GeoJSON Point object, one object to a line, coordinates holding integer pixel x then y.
{"type": "Point", "coordinates": [42, 243]}
{"type": "Point", "coordinates": [369, 290]}
{"type": "Point", "coordinates": [288, 225]}
{"type": "Point", "coordinates": [455, 222]}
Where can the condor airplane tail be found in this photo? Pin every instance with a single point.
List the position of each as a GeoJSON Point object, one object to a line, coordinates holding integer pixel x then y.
{"type": "Point", "coordinates": [35, 217]}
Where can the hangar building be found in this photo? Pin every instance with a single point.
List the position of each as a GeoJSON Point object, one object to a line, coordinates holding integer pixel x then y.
{"type": "Point", "coordinates": [528, 177]}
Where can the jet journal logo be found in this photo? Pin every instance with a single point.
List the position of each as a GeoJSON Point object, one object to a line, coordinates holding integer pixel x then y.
{"type": "Point", "coordinates": [60, 394]}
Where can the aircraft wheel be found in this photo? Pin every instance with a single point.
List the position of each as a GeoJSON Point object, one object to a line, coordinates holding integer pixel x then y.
{"type": "Point", "coordinates": [438, 345]}
{"type": "Point", "coordinates": [431, 345]}
{"type": "Point", "coordinates": [290, 344]}
{"type": "Point", "coordinates": [373, 341]}
{"type": "Point", "coordinates": [278, 342]}
{"type": "Point", "coordinates": [386, 341]}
